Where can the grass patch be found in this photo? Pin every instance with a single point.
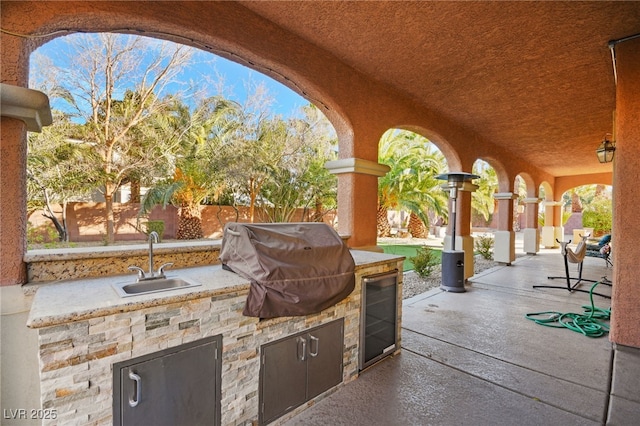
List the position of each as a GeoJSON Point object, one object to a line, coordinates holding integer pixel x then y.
{"type": "Point", "coordinates": [407, 251]}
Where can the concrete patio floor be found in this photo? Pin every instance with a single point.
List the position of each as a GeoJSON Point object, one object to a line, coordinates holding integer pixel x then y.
{"type": "Point", "coordinates": [473, 359]}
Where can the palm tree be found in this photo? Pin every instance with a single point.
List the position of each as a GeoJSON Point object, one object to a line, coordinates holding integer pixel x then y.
{"type": "Point", "coordinates": [389, 185]}
{"type": "Point", "coordinates": [199, 168]}
{"type": "Point", "coordinates": [483, 201]}
{"type": "Point", "coordinates": [410, 185]}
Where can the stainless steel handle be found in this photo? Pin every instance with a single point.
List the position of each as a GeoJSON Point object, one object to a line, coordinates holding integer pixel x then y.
{"type": "Point", "coordinates": [315, 340]}
{"type": "Point", "coordinates": [133, 401]}
{"type": "Point", "coordinates": [165, 265]}
{"type": "Point", "coordinates": [138, 270]}
{"type": "Point", "coordinates": [302, 348]}
{"type": "Point", "coordinates": [380, 280]}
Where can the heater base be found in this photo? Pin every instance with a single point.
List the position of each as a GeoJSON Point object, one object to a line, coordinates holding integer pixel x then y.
{"type": "Point", "coordinates": [453, 271]}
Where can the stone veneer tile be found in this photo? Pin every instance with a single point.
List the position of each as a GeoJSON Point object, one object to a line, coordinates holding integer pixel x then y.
{"type": "Point", "coordinates": [66, 403]}
{"type": "Point", "coordinates": [188, 324]}
{"type": "Point", "coordinates": [50, 376]}
{"type": "Point", "coordinates": [95, 369]}
{"type": "Point", "coordinates": [63, 331]}
{"type": "Point", "coordinates": [53, 347]}
{"type": "Point", "coordinates": [109, 325]}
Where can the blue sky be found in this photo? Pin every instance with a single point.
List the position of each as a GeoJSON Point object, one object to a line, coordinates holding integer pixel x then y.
{"type": "Point", "coordinates": [236, 77]}
{"type": "Point", "coordinates": [209, 67]}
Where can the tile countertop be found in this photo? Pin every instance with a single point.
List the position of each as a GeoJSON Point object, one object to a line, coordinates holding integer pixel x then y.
{"type": "Point", "coordinates": [76, 300]}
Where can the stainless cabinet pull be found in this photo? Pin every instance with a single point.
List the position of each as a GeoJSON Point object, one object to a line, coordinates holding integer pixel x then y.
{"type": "Point", "coordinates": [317, 342]}
{"type": "Point", "coordinates": [302, 348]}
{"type": "Point", "coordinates": [136, 397]}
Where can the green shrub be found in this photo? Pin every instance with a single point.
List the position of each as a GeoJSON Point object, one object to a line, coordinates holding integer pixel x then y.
{"type": "Point", "coordinates": [598, 215]}
{"type": "Point", "coordinates": [44, 236]}
{"type": "Point", "coordinates": [155, 225]}
{"type": "Point", "coordinates": [425, 261]}
{"type": "Point", "coordinates": [34, 236]}
{"type": "Point", "coordinates": [483, 245]}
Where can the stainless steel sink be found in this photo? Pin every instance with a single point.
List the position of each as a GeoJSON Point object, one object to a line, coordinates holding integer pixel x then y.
{"type": "Point", "coordinates": [152, 286]}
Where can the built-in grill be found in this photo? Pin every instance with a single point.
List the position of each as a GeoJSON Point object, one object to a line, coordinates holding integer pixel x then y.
{"type": "Point", "coordinates": [294, 268]}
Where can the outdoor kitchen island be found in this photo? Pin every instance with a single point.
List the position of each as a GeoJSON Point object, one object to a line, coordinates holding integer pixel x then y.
{"type": "Point", "coordinates": [85, 327]}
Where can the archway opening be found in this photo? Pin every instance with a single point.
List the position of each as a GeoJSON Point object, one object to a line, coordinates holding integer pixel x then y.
{"type": "Point", "coordinates": [483, 205]}
{"type": "Point", "coordinates": [410, 200]}
{"type": "Point", "coordinates": [587, 209]}
{"type": "Point", "coordinates": [141, 123]}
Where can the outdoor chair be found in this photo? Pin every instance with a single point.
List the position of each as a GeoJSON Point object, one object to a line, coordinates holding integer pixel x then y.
{"type": "Point", "coordinates": [577, 257]}
{"type": "Point", "coordinates": [602, 249]}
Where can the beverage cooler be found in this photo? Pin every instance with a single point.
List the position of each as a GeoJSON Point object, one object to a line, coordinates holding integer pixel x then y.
{"type": "Point", "coordinates": [379, 317]}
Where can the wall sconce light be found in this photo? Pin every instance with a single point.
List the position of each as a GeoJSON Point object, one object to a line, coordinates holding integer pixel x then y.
{"type": "Point", "coordinates": [605, 151]}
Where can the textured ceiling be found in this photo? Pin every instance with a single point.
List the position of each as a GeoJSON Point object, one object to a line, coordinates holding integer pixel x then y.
{"type": "Point", "coordinates": [533, 77]}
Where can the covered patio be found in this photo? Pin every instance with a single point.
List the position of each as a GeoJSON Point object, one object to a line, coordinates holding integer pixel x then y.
{"type": "Point", "coordinates": [473, 358]}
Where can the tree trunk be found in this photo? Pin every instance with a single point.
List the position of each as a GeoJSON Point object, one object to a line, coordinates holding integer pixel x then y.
{"type": "Point", "coordinates": [317, 213]}
{"type": "Point", "coordinates": [61, 228]}
{"type": "Point", "coordinates": [109, 224]}
{"type": "Point", "coordinates": [252, 201]}
{"type": "Point", "coordinates": [64, 222]}
{"type": "Point", "coordinates": [190, 224]}
{"type": "Point", "coordinates": [417, 229]}
{"type": "Point", "coordinates": [135, 191]}
{"type": "Point", "coordinates": [576, 204]}
{"type": "Point", "coordinates": [384, 229]}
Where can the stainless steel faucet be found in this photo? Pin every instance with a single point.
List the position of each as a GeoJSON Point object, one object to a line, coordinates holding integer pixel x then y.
{"type": "Point", "coordinates": [151, 275]}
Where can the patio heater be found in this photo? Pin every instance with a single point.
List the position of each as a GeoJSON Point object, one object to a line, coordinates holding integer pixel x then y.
{"type": "Point", "coordinates": [453, 260]}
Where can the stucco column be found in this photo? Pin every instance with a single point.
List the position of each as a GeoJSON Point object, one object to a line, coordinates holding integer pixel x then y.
{"type": "Point", "coordinates": [22, 109]}
{"type": "Point", "coordinates": [626, 192]}
{"type": "Point", "coordinates": [13, 164]}
{"type": "Point", "coordinates": [464, 240]}
{"type": "Point", "coordinates": [357, 199]}
{"type": "Point", "coordinates": [13, 202]}
{"type": "Point", "coordinates": [625, 300]}
{"type": "Point", "coordinates": [552, 228]}
{"type": "Point", "coordinates": [531, 236]}
{"type": "Point", "coordinates": [504, 248]}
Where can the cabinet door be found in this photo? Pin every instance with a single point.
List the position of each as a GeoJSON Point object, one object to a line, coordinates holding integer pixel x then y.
{"type": "Point", "coordinates": [171, 389]}
{"type": "Point", "coordinates": [283, 377]}
{"type": "Point", "coordinates": [325, 350]}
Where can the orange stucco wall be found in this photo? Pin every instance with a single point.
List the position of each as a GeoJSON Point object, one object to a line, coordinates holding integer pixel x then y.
{"type": "Point", "coordinates": [626, 192]}
{"type": "Point", "coordinates": [565, 183]}
{"type": "Point", "coordinates": [13, 208]}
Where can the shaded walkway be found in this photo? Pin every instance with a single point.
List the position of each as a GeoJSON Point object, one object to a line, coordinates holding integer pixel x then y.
{"type": "Point", "coordinates": [472, 358]}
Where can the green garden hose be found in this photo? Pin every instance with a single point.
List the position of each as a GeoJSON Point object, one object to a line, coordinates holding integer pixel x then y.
{"type": "Point", "coordinates": [590, 323]}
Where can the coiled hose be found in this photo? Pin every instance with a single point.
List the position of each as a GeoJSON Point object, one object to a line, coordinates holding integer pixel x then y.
{"type": "Point", "coordinates": [590, 323]}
